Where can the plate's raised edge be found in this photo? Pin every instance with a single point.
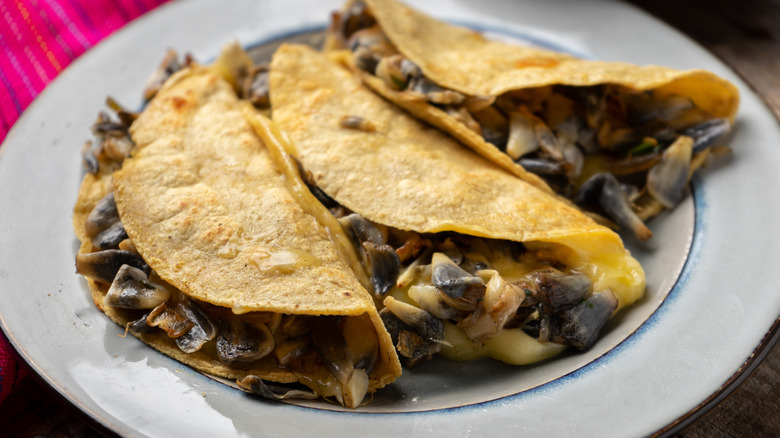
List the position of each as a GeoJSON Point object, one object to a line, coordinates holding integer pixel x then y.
{"type": "Point", "coordinates": [771, 338]}
{"type": "Point", "coordinates": [728, 387]}
{"type": "Point", "coordinates": [740, 375]}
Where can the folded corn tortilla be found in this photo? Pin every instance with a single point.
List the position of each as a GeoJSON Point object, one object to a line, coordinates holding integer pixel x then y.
{"type": "Point", "coordinates": [409, 176]}
{"type": "Point", "coordinates": [463, 60]}
{"type": "Point", "coordinates": [206, 208]}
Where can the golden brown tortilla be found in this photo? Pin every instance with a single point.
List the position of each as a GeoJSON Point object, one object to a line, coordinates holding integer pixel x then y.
{"type": "Point", "coordinates": [208, 211]}
{"type": "Point", "coordinates": [463, 60]}
{"type": "Point", "coordinates": [409, 176]}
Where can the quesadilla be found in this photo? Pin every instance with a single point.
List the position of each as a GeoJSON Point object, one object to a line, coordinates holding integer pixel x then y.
{"type": "Point", "coordinates": [202, 249]}
{"type": "Point", "coordinates": [468, 260]}
{"type": "Point", "coordinates": [583, 127]}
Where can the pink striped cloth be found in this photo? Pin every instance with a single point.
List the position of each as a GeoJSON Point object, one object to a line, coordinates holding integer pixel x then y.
{"type": "Point", "coordinates": [38, 39]}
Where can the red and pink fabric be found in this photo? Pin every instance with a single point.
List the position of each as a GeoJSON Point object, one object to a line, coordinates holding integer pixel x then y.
{"type": "Point", "coordinates": [39, 39]}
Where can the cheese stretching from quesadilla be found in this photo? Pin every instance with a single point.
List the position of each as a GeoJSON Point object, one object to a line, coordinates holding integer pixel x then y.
{"type": "Point", "coordinates": [548, 117]}
{"type": "Point", "coordinates": [508, 270]}
{"type": "Point", "coordinates": [199, 248]}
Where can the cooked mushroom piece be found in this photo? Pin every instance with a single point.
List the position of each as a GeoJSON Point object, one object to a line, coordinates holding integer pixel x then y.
{"type": "Point", "coordinates": [335, 352]}
{"type": "Point", "coordinates": [433, 92]}
{"type": "Point", "coordinates": [499, 306]}
{"type": "Point", "coordinates": [291, 349]}
{"type": "Point", "coordinates": [412, 347]}
{"type": "Point", "coordinates": [110, 237]}
{"type": "Point", "coordinates": [362, 230]}
{"type": "Point", "coordinates": [425, 324]}
{"type": "Point", "coordinates": [559, 291]}
{"type": "Point", "coordinates": [604, 190]}
{"type": "Point", "coordinates": [384, 266]}
{"type": "Point", "coordinates": [103, 265]}
{"type": "Point", "coordinates": [364, 347]}
{"type": "Point", "coordinates": [131, 289]}
{"type": "Point", "coordinates": [579, 326]}
{"type": "Point", "coordinates": [139, 325]}
{"type": "Point", "coordinates": [169, 319]}
{"type": "Point", "coordinates": [255, 87]}
{"type": "Point", "coordinates": [255, 385]}
{"type": "Point", "coordinates": [168, 66]}
{"type": "Point", "coordinates": [544, 166]}
{"type": "Point", "coordinates": [102, 216]}
{"type": "Point", "coordinates": [429, 299]}
{"type": "Point", "coordinates": [458, 288]}
{"type": "Point", "coordinates": [332, 347]}
{"type": "Point", "coordinates": [666, 181]}
{"type": "Point", "coordinates": [357, 123]}
{"type": "Point", "coordinates": [240, 343]}
{"type": "Point", "coordinates": [202, 331]}
{"type": "Point", "coordinates": [704, 134]}
{"type": "Point", "coordinates": [355, 18]}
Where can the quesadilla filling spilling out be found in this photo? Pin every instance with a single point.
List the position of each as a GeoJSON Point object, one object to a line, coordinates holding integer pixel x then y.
{"type": "Point", "coordinates": [620, 153]}
{"type": "Point", "coordinates": [466, 297]}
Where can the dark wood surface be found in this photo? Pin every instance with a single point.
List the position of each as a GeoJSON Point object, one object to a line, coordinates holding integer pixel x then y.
{"type": "Point", "coordinates": [746, 35]}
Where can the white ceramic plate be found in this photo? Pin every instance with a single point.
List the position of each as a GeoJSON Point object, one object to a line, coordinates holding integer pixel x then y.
{"type": "Point", "coordinates": [710, 309]}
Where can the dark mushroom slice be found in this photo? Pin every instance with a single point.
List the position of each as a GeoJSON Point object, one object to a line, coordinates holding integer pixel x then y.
{"type": "Point", "coordinates": [102, 216]}
{"type": "Point", "coordinates": [139, 325]}
{"type": "Point", "coordinates": [131, 289]}
{"type": "Point", "coordinates": [666, 181]}
{"type": "Point", "coordinates": [255, 385]}
{"type": "Point", "coordinates": [362, 230]}
{"type": "Point", "coordinates": [357, 123]}
{"type": "Point", "coordinates": [559, 291]}
{"type": "Point", "coordinates": [240, 343]}
{"type": "Point", "coordinates": [293, 326]}
{"type": "Point", "coordinates": [365, 59]}
{"type": "Point", "coordinates": [334, 351]}
{"type": "Point", "coordinates": [290, 349]}
{"type": "Point", "coordinates": [458, 288]}
{"type": "Point", "coordinates": [168, 66]}
{"type": "Point", "coordinates": [635, 163]}
{"type": "Point", "coordinates": [110, 237]}
{"type": "Point", "coordinates": [364, 348]}
{"type": "Point", "coordinates": [544, 166]}
{"type": "Point", "coordinates": [103, 265]}
{"type": "Point", "coordinates": [704, 134]}
{"type": "Point", "coordinates": [433, 92]}
{"type": "Point", "coordinates": [308, 179]}
{"type": "Point", "coordinates": [256, 87]}
{"type": "Point", "coordinates": [384, 266]}
{"type": "Point", "coordinates": [202, 331]}
{"type": "Point", "coordinates": [332, 347]}
{"type": "Point", "coordinates": [355, 18]}
{"type": "Point", "coordinates": [580, 326]}
{"type": "Point", "coordinates": [425, 324]}
{"type": "Point", "coordinates": [413, 348]}
{"type": "Point", "coordinates": [604, 190]}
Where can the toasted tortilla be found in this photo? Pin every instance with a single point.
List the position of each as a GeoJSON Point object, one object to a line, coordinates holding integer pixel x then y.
{"type": "Point", "coordinates": [207, 209]}
{"type": "Point", "coordinates": [463, 60]}
{"type": "Point", "coordinates": [409, 176]}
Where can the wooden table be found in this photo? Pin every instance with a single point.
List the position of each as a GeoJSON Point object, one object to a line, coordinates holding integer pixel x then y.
{"type": "Point", "coordinates": [746, 35]}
